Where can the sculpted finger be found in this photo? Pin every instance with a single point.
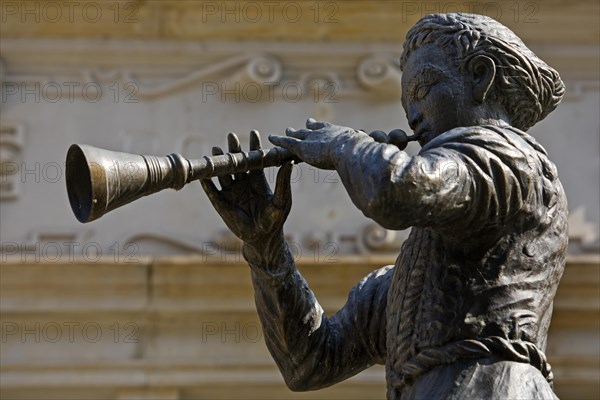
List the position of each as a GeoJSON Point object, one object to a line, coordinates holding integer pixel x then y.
{"type": "Point", "coordinates": [212, 192]}
{"type": "Point", "coordinates": [282, 197]}
{"type": "Point", "coordinates": [226, 212]}
{"type": "Point", "coordinates": [255, 140]}
{"type": "Point", "coordinates": [313, 124]}
{"type": "Point", "coordinates": [289, 131]}
{"type": "Point", "coordinates": [234, 143]}
{"type": "Point", "coordinates": [258, 175]}
{"type": "Point", "coordinates": [290, 143]}
{"type": "Point", "coordinates": [298, 134]}
{"type": "Point", "coordinates": [235, 147]}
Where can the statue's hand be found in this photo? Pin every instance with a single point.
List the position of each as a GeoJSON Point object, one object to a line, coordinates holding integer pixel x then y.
{"type": "Point", "coordinates": [245, 202]}
{"type": "Point", "coordinates": [315, 144]}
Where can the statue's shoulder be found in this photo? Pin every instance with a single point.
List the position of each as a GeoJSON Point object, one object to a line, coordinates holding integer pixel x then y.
{"type": "Point", "coordinates": [481, 135]}
{"type": "Point", "coordinates": [485, 145]}
{"type": "Point", "coordinates": [506, 142]}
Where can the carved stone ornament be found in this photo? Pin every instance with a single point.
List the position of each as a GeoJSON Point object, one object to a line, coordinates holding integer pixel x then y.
{"type": "Point", "coordinates": [252, 74]}
{"type": "Point", "coordinates": [11, 147]}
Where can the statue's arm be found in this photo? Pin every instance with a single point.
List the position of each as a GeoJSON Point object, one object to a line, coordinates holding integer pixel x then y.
{"type": "Point", "coordinates": [311, 350]}
{"type": "Point", "coordinates": [469, 179]}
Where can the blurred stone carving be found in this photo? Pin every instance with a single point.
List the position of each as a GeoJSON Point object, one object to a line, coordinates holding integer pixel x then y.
{"type": "Point", "coordinates": [262, 69]}
{"type": "Point", "coordinates": [376, 239]}
{"type": "Point", "coordinates": [11, 147]}
{"type": "Point", "coordinates": [380, 74]}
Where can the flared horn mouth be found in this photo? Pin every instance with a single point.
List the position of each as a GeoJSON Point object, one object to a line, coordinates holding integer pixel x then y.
{"type": "Point", "coordinates": [86, 184]}
{"type": "Point", "coordinates": [99, 180]}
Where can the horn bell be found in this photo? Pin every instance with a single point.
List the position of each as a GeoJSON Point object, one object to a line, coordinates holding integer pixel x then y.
{"type": "Point", "coordinates": [99, 180]}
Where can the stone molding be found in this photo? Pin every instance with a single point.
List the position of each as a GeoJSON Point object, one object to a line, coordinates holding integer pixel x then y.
{"type": "Point", "coordinates": [161, 68]}
{"type": "Point", "coordinates": [187, 325]}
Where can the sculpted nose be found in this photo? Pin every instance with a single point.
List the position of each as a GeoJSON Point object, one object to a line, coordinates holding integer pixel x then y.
{"type": "Point", "coordinates": [414, 118]}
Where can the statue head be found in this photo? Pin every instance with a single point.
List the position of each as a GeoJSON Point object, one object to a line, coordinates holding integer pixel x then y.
{"type": "Point", "coordinates": [466, 69]}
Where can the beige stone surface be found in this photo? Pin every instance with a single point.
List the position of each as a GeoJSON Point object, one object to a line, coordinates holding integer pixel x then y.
{"type": "Point", "coordinates": [172, 320]}
{"type": "Point", "coordinates": [371, 21]}
{"type": "Point", "coordinates": [186, 328]}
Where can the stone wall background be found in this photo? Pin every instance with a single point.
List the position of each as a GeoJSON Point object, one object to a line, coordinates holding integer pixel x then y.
{"type": "Point", "coordinates": [153, 300]}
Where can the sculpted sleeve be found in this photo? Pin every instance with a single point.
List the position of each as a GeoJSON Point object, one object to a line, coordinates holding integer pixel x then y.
{"type": "Point", "coordinates": [311, 350]}
{"type": "Point", "coordinates": [475, 177]}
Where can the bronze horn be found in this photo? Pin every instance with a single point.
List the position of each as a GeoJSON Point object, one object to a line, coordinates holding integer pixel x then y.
{"type": "Point", "coordinates": [98, 180]}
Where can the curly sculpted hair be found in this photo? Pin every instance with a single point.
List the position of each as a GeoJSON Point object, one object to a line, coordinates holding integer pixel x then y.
{"type": "Point", "coordinates": [524, 85]}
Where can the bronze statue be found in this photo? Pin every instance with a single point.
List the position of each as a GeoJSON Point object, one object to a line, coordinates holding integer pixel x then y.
{"type": "Point", "coordinates": [465, 311]}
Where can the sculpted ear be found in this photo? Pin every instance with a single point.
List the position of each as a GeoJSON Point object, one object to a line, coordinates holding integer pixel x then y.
{"type": "Point", "coordinates": [482, 70]}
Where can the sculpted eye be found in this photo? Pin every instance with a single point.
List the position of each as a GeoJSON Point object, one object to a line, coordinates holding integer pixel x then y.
{"type": "Point", "coordinates": [421, 92]}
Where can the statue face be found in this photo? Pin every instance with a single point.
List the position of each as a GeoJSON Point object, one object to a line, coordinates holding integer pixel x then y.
{"type": "Point", "coordinates": [435, 94]}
